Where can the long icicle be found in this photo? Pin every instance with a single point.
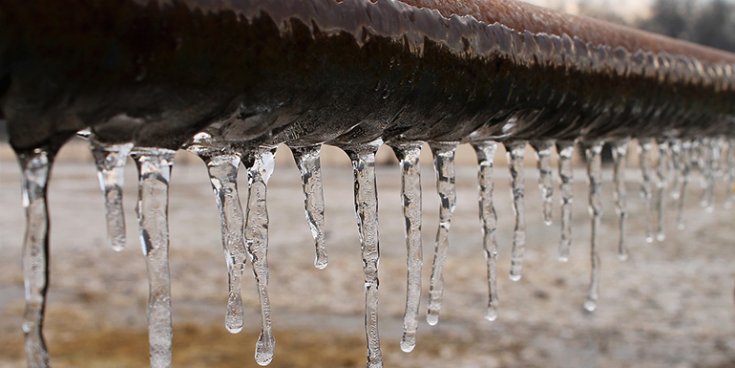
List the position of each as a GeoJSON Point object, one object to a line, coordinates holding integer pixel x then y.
{"type": "Point", "coordinates": [516, 152]}
{"type": "Point", "coordinates": [565, 150]}
{"type": "Point", "coordinates": [408, 154]}
{"type": "Point", "coordinates": [620, 154]}
{"type": "Point", "coordinates": [546, 177]}
{"type": "Point", "coordinates": [646, 165]}
{"type": "Point", "coordinates": [661, 184]}
{"type": "Point", "coordinates": [594, 172]}
{"type": "Point", "coordinates": [307, 159]}
{"type": "Point", "coordinates": [366, 211]}
{"type": "Point", "coordinates": [256, 236]}
{"type": "Point", "coordinates": [485, 158]}
{"type": "Point", "coordinates": [730, 167]}
{"type": "Point", "coordinates": [445, 177]}
{"type": "Point", "coordinates": [154, 173]}
{"type": "Point", "coordinates": [110, 161]}
{"type": "Point", "coordinates": [222, 167]}
{"type": "Point", "coordinates": [710, 154]}
{"type": "Point", "coordinates": [686, 168]}
{"type": "Point", "coordinates": [36, 170]}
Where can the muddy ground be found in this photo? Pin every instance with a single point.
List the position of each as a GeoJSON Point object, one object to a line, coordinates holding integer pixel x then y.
{"type": "Point", "coordinates": [670, 305]}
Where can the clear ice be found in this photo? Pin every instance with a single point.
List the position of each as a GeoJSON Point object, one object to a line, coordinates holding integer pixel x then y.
{"type": "Point", "coordinates": [307, 159]}
{"type": "Point", "coordinates": [110, 161]}
{"type": "Point", "coordinates": [620, 154]}
{"type": "Point", "coordinates": [594, 173]}
{"type": "Point", "coordinates": [366, 213]}
{"type": "Point", "coordinates": [685, 163]}
{"type": "Point", "coordinates": [256, 237]}
{"type": "Point", "coordinates": [565, 151]}
{"type": "Point", "coordinates": [546, 177]}
{"type": "Point", "coordinates": [222, 166]}
{"type": "Point", "coordinates": [710, 154]}
{"type": "Point", "coordinates": [489, 218]}
{"type": "Point", "coordinates": [730, 167]}
{"type": "Point", "coordinates": [36, 169]}
{"type": "Point", "coordinates": [154, 173]}
{"type": "Point", "coordinates": [661, 183]}
{"type": "Point", "coordinates": [445, 177]}
{"type": "Point", "coordinates": [646, 161]}
{"type": "Point", "coordinates": [516, 152]}
{"type": "Point", "coordinates": [408, 155]}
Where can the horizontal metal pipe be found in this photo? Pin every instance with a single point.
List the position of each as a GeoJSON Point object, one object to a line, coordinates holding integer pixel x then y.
{"type": "Point", "coordinates": [310, 71]}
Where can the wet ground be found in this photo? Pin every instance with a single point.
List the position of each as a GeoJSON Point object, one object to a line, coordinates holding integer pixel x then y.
{"type": "Point", "coordinates": [669, 305]}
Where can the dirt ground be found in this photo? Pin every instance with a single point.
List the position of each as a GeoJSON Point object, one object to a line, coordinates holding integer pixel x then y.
{"type": "Point", "coordinates": [669, 305]}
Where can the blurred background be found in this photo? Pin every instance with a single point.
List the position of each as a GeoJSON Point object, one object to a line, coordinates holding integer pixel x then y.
{"type": "Point", "coordinates": [669, 305]}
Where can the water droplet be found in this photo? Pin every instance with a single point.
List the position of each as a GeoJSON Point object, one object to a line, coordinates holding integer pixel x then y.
{"type": "Point", "coordinates": [408, 154]}
{"type": "Point", "coordinates": [110, 161]}
{"type": "Point", "coordinates": [366, 211]}
{"type": "Point", "coordinates": [445, 177]}
{"type": "Point", "coordinates": [565, 151]}
{"type": "Point", "coordinates": [154, 173]}
{"type": "Point", "coordinates": [485, 158]}
{"type": "Point", "coordinates": [307, 159]}
{"type": "Point", "coordinates": [36, 169]}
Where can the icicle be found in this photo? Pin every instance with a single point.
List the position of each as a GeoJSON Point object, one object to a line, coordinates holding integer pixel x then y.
{"type": "Point", "coordinates": [660, 183]}
{"type": "Point", "coordinates": [489, 218]}
{"type": "Point", "coordinates": [154, 172]}
{"type": "Point", "coordinates": [730, 167]}
{"type": "Point", "coordinates": [110, 161]}
{"type": "Point", "coordinates": [408, 154]}
{"type": "Point", "coordinates": [366, 211]}
{"type": "Point", "coordinates": [710, 154]}
{"type": "Point", "coordinates": [516, 151]}
{"type": "Point", "coordinates": [444, 169]}
{"type": "Point", "coordinates": [565, 151]}
{"type": "Point", "coordinates": [646, 164]}
{"type": "Point", "coordinates": [675, 147]}
{"type": "Point", "coordinates": [620, 153]}
{"type": "Point", "coordinates": [256, 236]}
{"type": "Point", "coordinates": [307, 159]}
{"type": "Point", "coordinates": [595, 204]}
{"type": "Point", "coordinates": [222, 166]}
{"type": "Point", "coordinates": [685, 167]}
{"type": "Point", "coordinates": [36, 169]}
{"type": "Point", "coordinates": [546, 177]}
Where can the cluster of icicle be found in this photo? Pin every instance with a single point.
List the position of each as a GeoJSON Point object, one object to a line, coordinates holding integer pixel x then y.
{"type": "Point", "coordinates": [663, 163]}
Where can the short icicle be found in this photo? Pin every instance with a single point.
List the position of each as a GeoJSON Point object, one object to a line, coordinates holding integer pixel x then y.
{"type": "Point", "coordinates": [489, 218]}
{"type": "Point", "coordinates": [222, 166]}
{"type": "Point", "coordinates": [408, 155]}
{"type": "Point", "coordinates": [36, 170]}
{"type": "Point", "coordinates": [516, 152]}
{"type": "Point", "coordinates": [620, 154]}
{"type": "Point", "coordinates": [661, 184]}
{"type": "Point", "coordinates": [154, 173]}
{"type": "Point", "coordinates": [110, 161]}
{"type": "Point", "coordinates": [307, 159]}
{"type": "Point", "coordinates": [261, 164]}
{"type": "Point", "coordinates": [594, 173]}
{"type": "Point", "coordinates": [366, 211]}
{"type": "Point", "coordinates": [646, 165]}
{"type": "Point", "coordinates": [445, 177]}
{"type": "Point", "coordinates": [565, 151]}
{"type": "Point", "coordinates": [546, 177]}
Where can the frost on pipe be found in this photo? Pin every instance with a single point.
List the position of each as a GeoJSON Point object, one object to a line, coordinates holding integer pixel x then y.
{"type": "Point", "coordinates": [257, 73]}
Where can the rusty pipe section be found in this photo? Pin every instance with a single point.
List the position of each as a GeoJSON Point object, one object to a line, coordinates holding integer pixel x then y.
{"type": "Point", "coordinates": [313, 71]}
